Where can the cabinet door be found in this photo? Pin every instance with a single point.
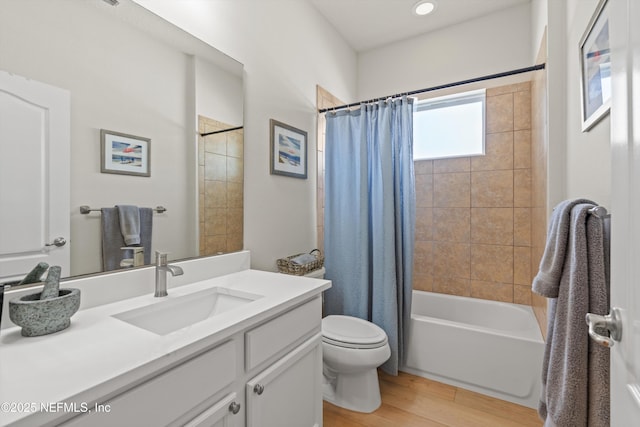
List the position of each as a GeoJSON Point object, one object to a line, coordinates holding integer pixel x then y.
{"type": "Point", "coordinates": [222, 414]}
{"type": "Point", "coordinates": [289, 392]}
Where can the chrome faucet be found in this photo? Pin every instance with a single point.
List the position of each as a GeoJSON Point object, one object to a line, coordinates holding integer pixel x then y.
{"type": "Point", "coordinates": [162, 267]}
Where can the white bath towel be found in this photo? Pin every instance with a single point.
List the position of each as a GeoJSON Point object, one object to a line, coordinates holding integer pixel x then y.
{"type": "Point", "coordinates": [575, 372]}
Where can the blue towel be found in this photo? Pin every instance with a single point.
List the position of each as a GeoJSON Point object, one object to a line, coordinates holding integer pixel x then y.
{"type": "Point", "coordinates": [304, 259]}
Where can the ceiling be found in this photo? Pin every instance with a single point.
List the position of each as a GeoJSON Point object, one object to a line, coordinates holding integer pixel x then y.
{"type": "Point", "coordinates": [367, 24]}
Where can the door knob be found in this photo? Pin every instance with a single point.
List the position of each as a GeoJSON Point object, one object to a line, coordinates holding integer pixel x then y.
{"type": "Point", "coordinates": [58, 241]}
{"type": "Point", "coordinates": [258, 389]}
{"type": "Point", "coordinates": [611, 322]}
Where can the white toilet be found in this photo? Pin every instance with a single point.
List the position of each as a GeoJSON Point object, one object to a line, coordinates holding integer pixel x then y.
{"type": "Point", "coordinates": [352, 350]}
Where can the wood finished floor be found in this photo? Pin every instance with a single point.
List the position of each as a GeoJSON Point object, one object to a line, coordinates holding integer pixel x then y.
{"type": "Point", "coordinates": [411, 401]}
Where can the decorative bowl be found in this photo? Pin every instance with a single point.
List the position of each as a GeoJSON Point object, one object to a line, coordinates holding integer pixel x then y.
{"type": "Point", "coordinates": [41, 317]}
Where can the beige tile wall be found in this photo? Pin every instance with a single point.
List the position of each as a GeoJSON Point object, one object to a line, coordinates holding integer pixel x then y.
{"type": "Point", "coordinates": [221, 188]}
{"type": "Point", "coordinates": [473, 214]}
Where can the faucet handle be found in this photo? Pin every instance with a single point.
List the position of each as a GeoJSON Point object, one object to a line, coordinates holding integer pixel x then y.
{"type": "Point", "coordinates": [161, 258]}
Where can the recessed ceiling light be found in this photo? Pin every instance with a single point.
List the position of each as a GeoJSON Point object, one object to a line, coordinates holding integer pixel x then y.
{"type": "Point", "coordinates": [424, 7]}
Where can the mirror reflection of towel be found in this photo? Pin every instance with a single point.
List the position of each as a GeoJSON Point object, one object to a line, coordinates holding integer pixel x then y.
{"type": "Point", "coordinates": [112, 239]}
{"type": "Point", "coordinates": [129, 223]}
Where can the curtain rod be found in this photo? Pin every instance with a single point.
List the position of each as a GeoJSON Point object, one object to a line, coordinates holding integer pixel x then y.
{"type": "Point", "coordinates": [221, 131]}
{"type": "Point", "coordinates": [445, 86]}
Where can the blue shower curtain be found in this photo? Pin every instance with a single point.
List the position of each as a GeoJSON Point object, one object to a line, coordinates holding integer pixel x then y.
{"type": "Point", "coordinates": [370, 217]}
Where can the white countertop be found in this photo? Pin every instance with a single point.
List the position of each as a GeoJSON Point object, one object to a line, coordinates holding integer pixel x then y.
{"type": "Point", "coordinates": [99, 354]}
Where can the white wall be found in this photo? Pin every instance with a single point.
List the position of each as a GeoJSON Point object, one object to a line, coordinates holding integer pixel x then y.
{"type": "Point", "coordinates": [287, 48]}
{"type": "Point", "coordinates": [120, 79]}
{"type": "Point", "coordinates": [579, 162]}
{"type": "Point", "coordinates": [557, 104]}
{"type": "Point", "coordinates": [538, 25]}
{"type": "Point", "coordinates": [486, 45]}
{"type": "Point", "coordinates": [588, 163]}
{"type": "Point", "coordinates": [213, 84]}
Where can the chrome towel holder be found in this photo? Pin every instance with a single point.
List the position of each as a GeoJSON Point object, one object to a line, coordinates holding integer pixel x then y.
{"type": "Point", "coordinates": [84, 209]}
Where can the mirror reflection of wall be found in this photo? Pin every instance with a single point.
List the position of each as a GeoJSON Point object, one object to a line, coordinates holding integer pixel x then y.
{"type": "Point", "coordinates": [221, 195]}
{"type": "Point", "coordinates": [132, 72]}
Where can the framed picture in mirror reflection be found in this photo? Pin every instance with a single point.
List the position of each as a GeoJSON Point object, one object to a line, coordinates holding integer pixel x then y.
{"type": "Point", "coordinates": [124, 154]}
{"type": "Point", "coordinates": [288, 150]}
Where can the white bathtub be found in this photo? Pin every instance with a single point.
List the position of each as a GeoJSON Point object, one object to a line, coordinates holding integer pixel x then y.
{"type": "Point", "coordinates": [490, 347]}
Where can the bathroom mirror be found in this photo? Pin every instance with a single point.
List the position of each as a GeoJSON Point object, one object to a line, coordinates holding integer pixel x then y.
{"type": "Point", "coordinates": [129, 71]}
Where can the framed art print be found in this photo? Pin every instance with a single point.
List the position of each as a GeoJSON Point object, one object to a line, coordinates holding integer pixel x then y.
{"type": "Point", "coordinates": [595, 68]}
{"type": "Point", "coordinates": [124, 154]}
{"type": "Point", "coordinates": [288, 150]}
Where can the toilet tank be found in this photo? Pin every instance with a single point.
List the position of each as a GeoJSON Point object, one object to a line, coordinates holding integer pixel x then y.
{"type": "Point", "coordinates": [316, 274]}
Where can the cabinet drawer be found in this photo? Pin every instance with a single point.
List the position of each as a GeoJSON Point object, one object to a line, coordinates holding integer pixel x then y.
{"type": "Point", "coordinates": [168, 396]}
{"type": "Point", "coordinates": [266, 340]}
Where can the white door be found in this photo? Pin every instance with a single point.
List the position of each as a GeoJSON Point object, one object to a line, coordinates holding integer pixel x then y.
{"type": "Point", "coordinates": [34, 176]}
{"type": "Point", "coordinates": [625, 209]}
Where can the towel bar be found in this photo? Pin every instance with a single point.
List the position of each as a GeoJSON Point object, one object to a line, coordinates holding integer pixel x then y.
{"type": "Point", "coordinates": [86, 209]}
{"type": "Point", "coordinates": [600, 212]}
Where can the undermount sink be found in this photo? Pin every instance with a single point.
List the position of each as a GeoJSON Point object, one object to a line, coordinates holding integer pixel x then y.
{"type": "Point", "coordinates": [179, 312]}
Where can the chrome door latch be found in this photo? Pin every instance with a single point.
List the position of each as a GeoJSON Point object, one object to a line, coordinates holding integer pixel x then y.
{"type": "Point", "coordinates": [612, 322]}
{"type": "Point", "coordinates": [58, 241]}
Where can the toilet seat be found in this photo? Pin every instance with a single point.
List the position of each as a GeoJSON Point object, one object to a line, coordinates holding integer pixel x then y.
{"type": "Point", "coordinates": [352, 332]}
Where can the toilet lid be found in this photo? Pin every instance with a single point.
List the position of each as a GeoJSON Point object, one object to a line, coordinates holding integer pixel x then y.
{"type": "Point", "coordinates": [352, 332]}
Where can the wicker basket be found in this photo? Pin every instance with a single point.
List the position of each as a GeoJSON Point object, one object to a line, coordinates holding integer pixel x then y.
{"type": "Point", "coordinates": [286, 266]}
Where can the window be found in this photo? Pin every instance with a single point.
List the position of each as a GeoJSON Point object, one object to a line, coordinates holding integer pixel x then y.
{"type": "Point", "coordinates": [449, 126]}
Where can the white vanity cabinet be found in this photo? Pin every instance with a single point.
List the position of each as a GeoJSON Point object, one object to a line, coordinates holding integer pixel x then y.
{"type": "Point", "coordinates": [278, 385]}
{"type": "Point", "coordinates": [288, 391]}
{"type": "Point", "coordinates": [258, 363]}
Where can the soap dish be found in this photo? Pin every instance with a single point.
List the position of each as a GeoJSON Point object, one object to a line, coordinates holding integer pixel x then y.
{"type": "Point", "coordinates": [41, 317]}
